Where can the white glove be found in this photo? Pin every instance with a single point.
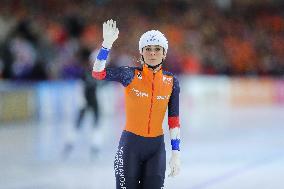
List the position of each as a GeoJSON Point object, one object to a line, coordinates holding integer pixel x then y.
{"type": "Point", "coordinates": [110, 33]}
{"type": "Point", "coordinates": [175, 163]}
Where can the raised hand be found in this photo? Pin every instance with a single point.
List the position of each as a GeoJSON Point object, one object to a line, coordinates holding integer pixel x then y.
{"type": "Point", "coordinates": [110, 33]}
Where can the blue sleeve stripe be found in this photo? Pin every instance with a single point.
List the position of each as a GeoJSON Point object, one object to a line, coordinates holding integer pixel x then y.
{"type": "Point", "coordinates": [175, 144]}
{"type": "Point", "coordinates": [103, 54]}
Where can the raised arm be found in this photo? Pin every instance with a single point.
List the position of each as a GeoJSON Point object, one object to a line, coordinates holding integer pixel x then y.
{"type": "Point", "coordinates": [123, 75]}
{"type": "Point", "coordinates": [174, 127]}
{"type": "Point", "coordinates": [110, 34]}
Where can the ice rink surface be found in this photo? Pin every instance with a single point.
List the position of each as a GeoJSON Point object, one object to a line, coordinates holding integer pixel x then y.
{"type": "Point", "coordinates": [240, 148]}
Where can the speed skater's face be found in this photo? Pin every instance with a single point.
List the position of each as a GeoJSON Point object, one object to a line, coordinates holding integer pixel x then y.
{"type": "Point", "coordinates": [153, 54]}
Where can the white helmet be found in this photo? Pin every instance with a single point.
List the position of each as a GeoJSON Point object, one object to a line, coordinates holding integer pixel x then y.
{"type": "Point", "coordinates": [153, 37]}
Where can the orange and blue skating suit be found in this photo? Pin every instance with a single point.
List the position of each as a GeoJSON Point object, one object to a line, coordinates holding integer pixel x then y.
{"type": "Point", "coordinates": [141, 154]}
{"type": "Point", "coordinates": [147, 97]}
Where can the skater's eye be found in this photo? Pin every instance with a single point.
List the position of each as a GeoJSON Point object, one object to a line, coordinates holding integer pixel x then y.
{"type": "Point", "coordinates": [148, 49]}
{"type": "Point", "coordinates": [157, 49]}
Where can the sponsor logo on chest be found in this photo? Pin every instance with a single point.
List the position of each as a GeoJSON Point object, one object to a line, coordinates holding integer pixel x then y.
{"type": "Point", "coordinates": [167, 80]}
{"type": "Point", "coordinates": [166, 97]}
{"type": "Point", "coordinates": [143, 94]}
{"type": "Point", "coordinates": [146, 94]}
{"type": "Point", "coordinates": [140, 93]}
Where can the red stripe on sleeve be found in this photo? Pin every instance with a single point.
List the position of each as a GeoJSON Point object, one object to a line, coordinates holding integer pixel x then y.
{"type": "Point", "coordinates": [99, 75]}
{"type": "Point", "coordinates": [173, 122]}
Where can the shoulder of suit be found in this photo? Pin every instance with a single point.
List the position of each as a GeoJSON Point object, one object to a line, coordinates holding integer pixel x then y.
{"type": "Point", "coordinates": [130, 68]}
{"type": "Point", "coordinates": [169, 74]}
{"type": "Point", "coordinates": [136, 68]}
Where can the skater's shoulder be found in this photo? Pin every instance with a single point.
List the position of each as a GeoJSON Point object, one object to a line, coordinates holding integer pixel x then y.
{"type": "Point", "coordinates": [131, 68]}
{"type": "Point", "coordinates": [137, 68]}
{"type": "Point", "coordinates": [168, 73]}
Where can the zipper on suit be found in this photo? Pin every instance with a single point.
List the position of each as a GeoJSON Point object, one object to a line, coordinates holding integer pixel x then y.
{"type": "Point", "coordinates": [151, 105]}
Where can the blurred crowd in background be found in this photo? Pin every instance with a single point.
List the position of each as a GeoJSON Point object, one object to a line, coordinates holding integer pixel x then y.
{"type": "Point", "coordinates": [51, 39]}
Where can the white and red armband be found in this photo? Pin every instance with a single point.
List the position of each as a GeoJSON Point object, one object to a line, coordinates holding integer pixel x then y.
{"type": "Point", "coordinates": [174, 128]}
{"type": "Point", "coordinates": [99, 62]}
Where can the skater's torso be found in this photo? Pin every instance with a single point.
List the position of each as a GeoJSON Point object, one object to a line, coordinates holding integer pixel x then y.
{"type": "Point", "coordinates": [147, 96]}
{"type": "Point", "coordinates": [146, 102]}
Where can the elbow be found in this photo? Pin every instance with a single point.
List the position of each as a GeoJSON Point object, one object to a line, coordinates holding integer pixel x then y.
{"type": "Point", "coordinates": [99, 75]}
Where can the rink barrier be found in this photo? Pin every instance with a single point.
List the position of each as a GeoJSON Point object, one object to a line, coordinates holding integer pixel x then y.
{"type": "Point", "coordinates": [17, 102]}
{"type": "Point", "coordinates": [232, 92]}
{"type": "Point", "coordinates": [57, 100]}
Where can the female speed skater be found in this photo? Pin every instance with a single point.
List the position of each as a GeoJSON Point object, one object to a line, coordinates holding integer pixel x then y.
{"type": "Point", "coordinates": [140, 161]}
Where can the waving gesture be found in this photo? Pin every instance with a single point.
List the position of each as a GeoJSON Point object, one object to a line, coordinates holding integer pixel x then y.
{"type": "Point", "coordinates": [110, 33]}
